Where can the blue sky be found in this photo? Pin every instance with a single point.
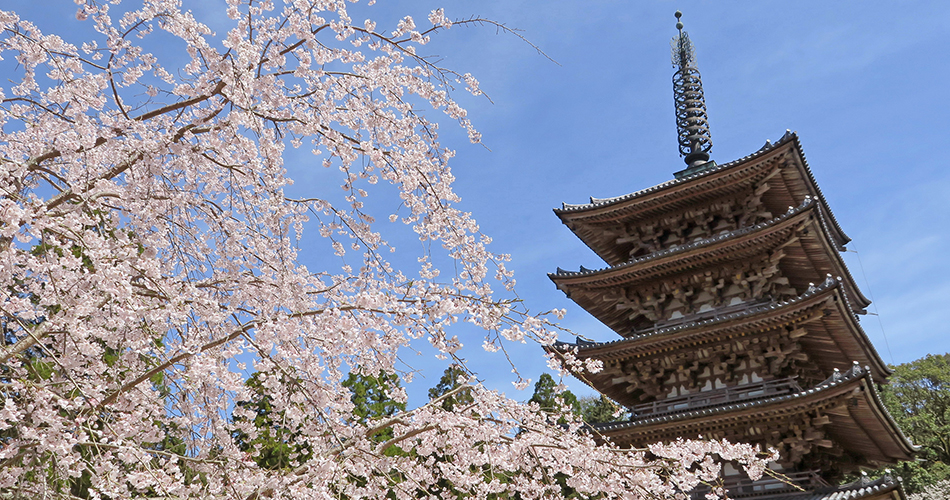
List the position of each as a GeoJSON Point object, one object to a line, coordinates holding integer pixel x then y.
{"type": "Point", "coordinates": [859, 81]}
{"type": "Point", "coordinates": [863, 83]}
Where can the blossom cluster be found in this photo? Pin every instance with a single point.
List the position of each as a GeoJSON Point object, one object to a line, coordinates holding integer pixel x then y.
{"type": "Point", "coordinates": [150, 260]}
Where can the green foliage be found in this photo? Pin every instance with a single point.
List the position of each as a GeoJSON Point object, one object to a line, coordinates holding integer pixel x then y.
{"type": "Point", "coordinates": [371, 400]}
{"type": "Point", "coordinates": [546, 396]}
{"type": "Point", "coordinates": [279, 447]}
{"type": "Point", "coordinates": [370, 395]}
{"type": "Point", "coordinates": [916, 476]}
{"type": "Point", "coordinates": [276, 445]}
{"type": "Point", "coordinates": [448, 383]}
{"type": "Point", "coordinates": [918, 397]}
{"type": "Point", "coordinates": [598, 409]}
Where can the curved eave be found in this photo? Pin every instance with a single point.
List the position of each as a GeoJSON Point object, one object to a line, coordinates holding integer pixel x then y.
{"type": "Point", "coordinates": [831, 252]}
{"type": "Point", "coordinates": [847, 312]}
{"type": "Point", "coordinates": [884, 488]}
{"type": "Point", "coordinates": [729, 247]}
{"type": "Point", "coordinates": [840, 237]}
{"type": "Point", "coordinates": [885, 434]}
{"type": "Point", "coordinates": [694, 188]}
{"type": "Point", "coordinates": [660, 194]}
{"type": "Point", "coordinates": [659, 263]}
{"type": "Point", "coordinates": [761, 318]}
{"type": "Point", "coordinates": [885, 417]}
{"type": "Point", "coordinates": [661, 338]}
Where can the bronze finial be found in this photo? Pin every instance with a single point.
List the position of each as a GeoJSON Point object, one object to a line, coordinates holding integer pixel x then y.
{"type": "Point", "coordinates": [692, 124]}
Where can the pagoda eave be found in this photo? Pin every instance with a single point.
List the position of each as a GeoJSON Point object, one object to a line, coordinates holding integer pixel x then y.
{"type": "Point", "coordinates": [821, 320]}
{"type": "Point", "coordinates": [729, 246]}
{"type": "Point", "coordinates": [847, 409]}
{"type": "Point", "coordinates": [588, 220]}
{"type": "Point", "coordinates": [886, 487]}
{"type": "Point", "coordinates": [734, 245]}
{"type": "Point", "coordinates": [805, 257]}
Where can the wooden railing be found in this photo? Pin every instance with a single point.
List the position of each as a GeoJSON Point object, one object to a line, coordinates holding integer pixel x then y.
{"type": "Point", "coordinates": [717, 397]}
{"type": "Point", "coordinates": [738, 487]}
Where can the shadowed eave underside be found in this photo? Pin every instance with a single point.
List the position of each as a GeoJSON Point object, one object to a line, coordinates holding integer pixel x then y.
{"type": "Point", "coordinates": [866, 425]}
{"type": "Point", "coordinates": [692, 189]}
{"type": "Point", "coordinates": [587, 287]}
{"type": "Point", "coordinates": [848, 338]}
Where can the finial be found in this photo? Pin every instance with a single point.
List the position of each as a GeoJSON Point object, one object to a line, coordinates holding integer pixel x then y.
{"type": "Point", "coordinates": [691, 121]}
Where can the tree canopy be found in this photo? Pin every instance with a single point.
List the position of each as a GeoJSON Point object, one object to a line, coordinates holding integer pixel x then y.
{"type": "Point", "coordinates": [918, 397]}
{"type": "Point", "coordinates": [550, 399]}
{"type": "Point", "coordinates": [599, 409]}
{"type": "Point", "coordinates": [373, 398]}
{"type": "Point", "coordinates": [162, 337]}
{"type": "Point", "coordinates": [450, 390]}
{"type": "Point", "coordinates": [262, 433]}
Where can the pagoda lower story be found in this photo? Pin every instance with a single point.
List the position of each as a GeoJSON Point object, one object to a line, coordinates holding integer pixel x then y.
{"type": "Point", "coordinates": [738, 320]}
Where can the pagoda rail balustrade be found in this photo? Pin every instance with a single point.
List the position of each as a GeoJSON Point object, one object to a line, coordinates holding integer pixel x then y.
{"type": "Point", "coordinates": [767, 486]}
{"type": "Point", "coordinates": [715, 397]}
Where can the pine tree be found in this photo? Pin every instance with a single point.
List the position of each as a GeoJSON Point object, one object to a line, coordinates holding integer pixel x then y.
{"type": "Point", "coordinates": [273, 445]}
{"type": "Point", "coordinates": [598, 409]}
{"type": "Point", "coordinates": [546, 395]}
{"type": "Point", "coordinates": [448, 383]}
{"type": "Point", "coordinates": [372, 398]}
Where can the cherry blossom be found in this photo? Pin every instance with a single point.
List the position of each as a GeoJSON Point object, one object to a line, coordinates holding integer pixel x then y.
{"type": "Point", "coordinates": [150, 259]}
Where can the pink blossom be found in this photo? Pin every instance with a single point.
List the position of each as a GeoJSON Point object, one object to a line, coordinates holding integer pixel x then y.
{"type": "Point", "coordinates": [150, 259]}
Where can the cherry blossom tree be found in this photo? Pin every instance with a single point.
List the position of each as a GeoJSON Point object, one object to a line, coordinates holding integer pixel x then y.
{"type": "Point", "coordinates": [150, 262]}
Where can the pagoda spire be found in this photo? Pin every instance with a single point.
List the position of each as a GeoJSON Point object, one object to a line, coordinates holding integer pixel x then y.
{"type": "Point", "coordinates": [692, 124]}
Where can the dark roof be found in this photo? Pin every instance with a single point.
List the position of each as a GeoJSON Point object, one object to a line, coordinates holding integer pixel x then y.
{"type": "Point", "coordinates": [641, 263]}
{"type": "Point", "coordinates": [828, 284]}
{"type": "Point", "coordinates": [789, 137]}
{"type": "Point", "coordinates": [793, 211]}
{"type": "Point", "coordinates": [846, 333]}
{"type": "Point", "coordinates": [583, 345]}
{"type": "Point", "coordinates": [855, 373]}
{"type": "Point", "coordinates": [857, 490]}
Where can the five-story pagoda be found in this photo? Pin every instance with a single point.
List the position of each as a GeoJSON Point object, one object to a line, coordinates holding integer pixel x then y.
{"type": "Point", "coordinates": [737, 315]}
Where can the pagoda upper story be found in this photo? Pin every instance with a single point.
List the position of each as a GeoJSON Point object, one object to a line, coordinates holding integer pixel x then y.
{"type": "Point", "coordinates": [737, 317]}
{"type": "Point", "coordinates": [714, 200]}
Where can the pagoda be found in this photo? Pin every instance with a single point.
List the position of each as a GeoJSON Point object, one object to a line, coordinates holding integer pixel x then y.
{"type": "Point", "coordinates": [737, 316]}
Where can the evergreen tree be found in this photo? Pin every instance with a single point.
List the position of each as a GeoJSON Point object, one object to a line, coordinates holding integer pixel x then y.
{"type": "Point", "coordinates": [371, 398]}
{"type": "Point", "coordinates": [448, 383]}
{"type": "Point", "coordinates": [598, 409]}
{"type": "Point", "coordinates": [275, 445]}
{"type": "Point", "coordinates": [546, 395]}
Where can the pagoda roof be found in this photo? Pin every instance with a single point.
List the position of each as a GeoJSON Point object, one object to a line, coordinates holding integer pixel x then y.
{"type": "Point", "coordinates": [710, 183]}
{"type": "Point", "coordinates": [839, 345]}
{"type": "Point", "coordinates": [883, 488]}
{"type": "Point", "coordinates": [658, 263]}
{"type": "Point", "coordinates": [727, 247]}
{"type": "Point", "coordinates": [864, 426]}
